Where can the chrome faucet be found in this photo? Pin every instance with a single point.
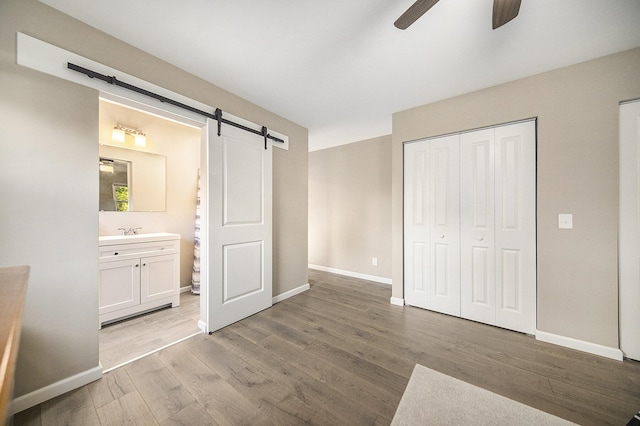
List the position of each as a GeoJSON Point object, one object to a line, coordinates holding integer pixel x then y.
{"type": "Point", "coordinates": [130, 231]}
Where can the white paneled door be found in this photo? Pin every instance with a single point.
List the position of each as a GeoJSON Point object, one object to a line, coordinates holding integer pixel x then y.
{"type": "Point", "coordinates": [240, 266]}
{"type": "Point", "coordinates": [417, 224]}
{"type": "Point", "coordinates": [432, 241]}
{"type": "Point", "coordinates": [629, 234]}
{"type": "Point", "coordinates": [515, 226]}
{"type": "Point", "coordinates": [477, 226]}
{"type": "Point", "coordinates": [470, 240]}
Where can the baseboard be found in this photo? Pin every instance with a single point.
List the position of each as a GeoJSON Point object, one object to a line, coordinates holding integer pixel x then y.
{"type": "Point", "coordinates": [290, 293]}
{"type": "Point", "coordinates": [46, 393]}
{"type": "Point", "coordinates": [185, 289]}
{"type": "Point", "coordinates": [397, 301]}
{"type": "Point", "coordinates": [374, 278]}
{"type": "Point", "coordinates": [202, 326]}
{"type": "Point", "coordinates": [581, 345]}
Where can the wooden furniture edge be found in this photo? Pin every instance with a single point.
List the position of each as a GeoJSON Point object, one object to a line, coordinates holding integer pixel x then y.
{"type": "Point", "coordinates": [13, 289]}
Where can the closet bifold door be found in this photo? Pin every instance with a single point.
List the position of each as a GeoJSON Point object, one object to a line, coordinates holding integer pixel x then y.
{"type": "Point", "coordinates": [469, 225]}
{"type": "Point", "coordinates": [444, 250]}
{"type": "Point", "coordinates": [497, 222]}
{"type": "Point", "coordinates": [431, 224]}
{"type": "Point", "coordinates": [515, 218]}
{"type": "Point", "coordinates": [477, 226]}
{"type": "Point", "coordinates": [416, 218]}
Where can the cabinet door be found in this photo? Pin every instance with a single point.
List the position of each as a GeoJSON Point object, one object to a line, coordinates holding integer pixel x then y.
{"type": "Point", "coordinates": [159, 277]}
{"type": "Point", "coordinates": [119, 285]}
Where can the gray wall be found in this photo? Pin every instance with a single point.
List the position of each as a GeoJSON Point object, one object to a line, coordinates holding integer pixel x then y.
{"type": "Point", "coordinates": [350, 207]}
{"type": "Point", "coordinates": [49, 123]}
{"type": "Point", "coordinates": [577, 110]}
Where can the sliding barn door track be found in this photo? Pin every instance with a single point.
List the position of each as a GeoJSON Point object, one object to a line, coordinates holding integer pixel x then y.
{"type": "Point", "coordinates": [217, 115]}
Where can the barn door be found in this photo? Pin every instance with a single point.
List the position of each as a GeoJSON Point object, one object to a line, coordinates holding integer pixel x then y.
{"type": "Point", "coordinates": [239, 210]}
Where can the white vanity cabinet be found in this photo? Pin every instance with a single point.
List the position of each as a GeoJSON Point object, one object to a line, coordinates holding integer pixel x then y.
{"type": "Point", "coordinates": [138, 273]}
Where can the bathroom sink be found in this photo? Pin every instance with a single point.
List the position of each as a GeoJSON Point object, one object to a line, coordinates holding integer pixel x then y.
{"type": "Point", "coordinates": [138, 238]}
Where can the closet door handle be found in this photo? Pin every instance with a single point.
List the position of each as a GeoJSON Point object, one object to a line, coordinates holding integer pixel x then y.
{"type": "Point", "coordinates": [480, 238]}
{"type": "Point", "coordinates": [137, 265]}
{"type": "Point", "coordinates": [441, 235]}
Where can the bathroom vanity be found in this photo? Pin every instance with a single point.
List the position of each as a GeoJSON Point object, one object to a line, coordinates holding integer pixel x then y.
{"type": "Point", "coordinates": [138, 273]}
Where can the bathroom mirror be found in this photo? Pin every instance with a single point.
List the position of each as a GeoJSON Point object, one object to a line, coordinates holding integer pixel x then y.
{"type": "Point", "coordinates": [131, 181]}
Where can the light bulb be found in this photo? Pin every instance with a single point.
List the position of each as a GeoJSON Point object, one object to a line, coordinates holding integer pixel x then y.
{"type": "Point", "coordinates": [117, 135]}
{"type": "Point", "coordinates": [140, 140]}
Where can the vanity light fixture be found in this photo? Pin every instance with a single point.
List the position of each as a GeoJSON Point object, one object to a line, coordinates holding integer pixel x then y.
{"type": "Point", "coordinates": [119, 132]}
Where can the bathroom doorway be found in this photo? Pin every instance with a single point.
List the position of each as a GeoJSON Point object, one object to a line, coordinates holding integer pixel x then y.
{"type": "Point", "coordinates": [166, 171]}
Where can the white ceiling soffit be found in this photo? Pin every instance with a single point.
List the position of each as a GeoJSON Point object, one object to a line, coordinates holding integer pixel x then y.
{"type": "Point", "coordinates": [341, 69]}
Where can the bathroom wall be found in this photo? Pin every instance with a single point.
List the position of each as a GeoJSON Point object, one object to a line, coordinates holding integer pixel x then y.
{"type": "Point", "coordinates": [180, 145]}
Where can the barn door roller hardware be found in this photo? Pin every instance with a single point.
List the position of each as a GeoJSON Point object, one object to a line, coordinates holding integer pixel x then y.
{"type": "Point", "coordinates": [217, 116]}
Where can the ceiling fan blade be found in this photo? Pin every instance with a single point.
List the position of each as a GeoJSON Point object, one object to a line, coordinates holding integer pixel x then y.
{"type": "Point", "coordinates": [416, 10]}
{"type": "Point", "coordinates": [504, 11]}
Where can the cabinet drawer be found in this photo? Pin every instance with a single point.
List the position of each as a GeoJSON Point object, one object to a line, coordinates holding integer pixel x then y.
{"type": "Point", "coordinates": [129, 251]}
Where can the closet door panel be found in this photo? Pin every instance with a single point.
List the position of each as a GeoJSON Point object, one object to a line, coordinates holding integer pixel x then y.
{"type": "Point", "coordinates": [416, 224]}
{"type": "Point", "coordinates": [515, 226]}
{"type": "Point", "coordinates": [477, 198]}
{"type": "Point", "coordinates": [444, 253]}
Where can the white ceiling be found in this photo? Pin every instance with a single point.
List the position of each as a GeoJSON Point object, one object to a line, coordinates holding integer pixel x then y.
{"type": "Point", "coordinates": [340, 67]}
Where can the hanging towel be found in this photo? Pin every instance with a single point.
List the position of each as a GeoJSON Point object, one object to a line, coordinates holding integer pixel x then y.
{"type": "Point", "coordinates": [195, 274]}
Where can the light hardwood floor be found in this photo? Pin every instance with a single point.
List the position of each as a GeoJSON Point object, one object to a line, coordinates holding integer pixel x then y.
{"type": "Point", "coordinates": [340, 354]}
{"type": "Point", "coordinates": [126, 340]}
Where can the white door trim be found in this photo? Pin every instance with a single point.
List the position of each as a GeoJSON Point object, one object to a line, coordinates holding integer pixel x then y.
{"type": "Point", "coordinates": [629, 230]}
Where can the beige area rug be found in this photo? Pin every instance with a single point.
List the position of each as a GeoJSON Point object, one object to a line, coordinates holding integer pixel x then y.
{"type": "Point", "coordinates": [433, 398]}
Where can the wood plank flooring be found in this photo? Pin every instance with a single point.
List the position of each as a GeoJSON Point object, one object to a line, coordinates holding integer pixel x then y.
{"type": "Point", "coordinates": [340, 354]}
{"type": "Point", "coordinates": [127, 340]}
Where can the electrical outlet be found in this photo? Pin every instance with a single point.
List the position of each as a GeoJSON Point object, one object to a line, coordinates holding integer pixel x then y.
{"type": "Point", "coordinates": [374, 261]}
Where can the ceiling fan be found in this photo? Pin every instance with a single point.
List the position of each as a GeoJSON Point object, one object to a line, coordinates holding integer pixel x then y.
{"type": "Point", "coordinates": [503, 12]}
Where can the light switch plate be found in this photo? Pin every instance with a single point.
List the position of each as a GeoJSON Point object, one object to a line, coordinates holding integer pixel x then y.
{"type": "Point", "coordinates": [565, 221]}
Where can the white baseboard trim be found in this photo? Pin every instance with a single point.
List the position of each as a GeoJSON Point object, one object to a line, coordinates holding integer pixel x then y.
{"type": "Point", "coordinates": [374, 278]}
{"type": "Point", "coordinates": [581, 345]}
{"type": "Point", "coordinates": [41, 395]}
{"type": "Point", "coordinates": [185, 289]}
{"type": "Point", "coordinates": [290, 293]}
{"type": "Point", "coordinates": [397, 301]}
{"type": "Point", "coordinates": [202, 326]}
